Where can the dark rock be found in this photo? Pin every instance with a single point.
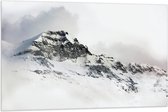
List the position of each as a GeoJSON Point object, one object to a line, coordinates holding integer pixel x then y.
{"type": "Point", "coordinates": [38, 71]}
{"type": "Point", "coordinates": [119, 66]}
{"type": "Point", "coordinates": [76, 40]}
{"type": "Point", "coordinates": [43, 61]}
{"type": "Point", "coordinates": [99, 68]}
{"type": "Point", "coordinates": [58, 73]}
{"type": "Point", "coordinates": [62, 33]}
{"type": "Point", "coordinates": [100, 60]}
{"type": "Point", "coordinates": [38, 53]}
{"type": "Point", "coordinates": [135, 68]}
{"type": "Point", "coordinates": [23, 52]}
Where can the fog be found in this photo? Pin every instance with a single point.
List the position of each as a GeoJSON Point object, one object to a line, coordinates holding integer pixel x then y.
{"type": "Point", "coordinates": [131, 33]}
{"type": "Point", "coordinates": [28, 25]}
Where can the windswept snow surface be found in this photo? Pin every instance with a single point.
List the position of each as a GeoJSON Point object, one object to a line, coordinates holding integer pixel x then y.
{"type": "Point", "coordinates": [6, 48]}
{"type": "Point", "coordinates": [37, 82]}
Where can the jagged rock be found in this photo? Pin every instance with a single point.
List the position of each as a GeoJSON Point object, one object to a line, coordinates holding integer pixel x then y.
{"type": "Point", "coordinates": [60, 46]}
{"type": "Point", "coordinates": [38, 71]}
{"type": "Point", "coordinates": [132, 86]}
{"type": "Point", "coordinates": [62, 33]}
{"type": "Point", "coordinates": [119, 66]}
{"type": "Point", "coordinates": [43, 62]}
{"type": "Point", "coordinates": [135, 68]}
{"type": "Point", "coordinates": [98, 69]}
{"type": "Point", "coordinates": [99, 60]}
{"type": "Point", "coordinates": [55, 46]}
{"type": "Point", "coordinates": [76, 40]}
{"type": "Point", "coordinates": [38, 53]}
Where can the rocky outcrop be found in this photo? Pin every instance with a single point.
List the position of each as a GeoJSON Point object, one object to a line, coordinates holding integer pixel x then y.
{"type": "Point", "coordinates": [56, 44]}
{"type": "Point", "coordinates": [52, 45]}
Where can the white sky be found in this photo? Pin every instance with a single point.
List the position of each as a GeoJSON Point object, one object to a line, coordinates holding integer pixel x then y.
{"type": "Point", "coordinates": [145, 26]}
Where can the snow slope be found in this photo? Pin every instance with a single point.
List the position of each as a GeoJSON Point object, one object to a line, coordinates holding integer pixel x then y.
{"type": "Point", "coordinates": [51, 72]}
{"type": "Point", "coordinates": [6, 48]}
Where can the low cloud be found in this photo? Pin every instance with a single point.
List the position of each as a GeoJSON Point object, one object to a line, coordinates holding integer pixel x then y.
{"type": "Point", "coordinates": [131, 53]}
{"type": "Point", "coordinates": [28, 26]}
{"type": "Point", "coordinates": [61, 19]}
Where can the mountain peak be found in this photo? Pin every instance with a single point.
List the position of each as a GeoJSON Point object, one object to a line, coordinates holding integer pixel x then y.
{"type": "Point", "coordinates": [51, 55]}
{"type": "Point", "coordinates": [56, 45]}
{"type": "Point", "coordinates": [52, 44]}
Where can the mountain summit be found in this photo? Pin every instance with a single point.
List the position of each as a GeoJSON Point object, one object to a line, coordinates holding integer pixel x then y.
{"type": "Point", "coordinates": [52, 56]}
{"type": "Point", "coordinates": [53, 44]}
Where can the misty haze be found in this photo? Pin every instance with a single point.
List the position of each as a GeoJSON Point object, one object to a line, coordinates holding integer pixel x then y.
{"type": "Point", "coordinates": [83, 55]}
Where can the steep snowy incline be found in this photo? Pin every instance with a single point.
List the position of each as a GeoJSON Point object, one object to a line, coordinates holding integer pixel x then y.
{"type": "Point", "coordinates": [51, 68]}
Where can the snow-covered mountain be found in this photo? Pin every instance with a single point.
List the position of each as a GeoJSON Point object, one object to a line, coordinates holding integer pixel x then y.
{"type": "Point", "coordinates": [65, 74]}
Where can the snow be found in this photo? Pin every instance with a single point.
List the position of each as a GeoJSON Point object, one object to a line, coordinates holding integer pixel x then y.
{"type": "Point", "coordinates": [6, 48]}
{"type": "Point", "coordinates": [24, 89]}
{"type": "Point", "coordinates": [66, 84]}
{"type": "Point", "coordinates": [26, 44]}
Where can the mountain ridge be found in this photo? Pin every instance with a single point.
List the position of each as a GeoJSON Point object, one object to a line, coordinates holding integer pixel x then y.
{"type": "Point", "coordinates": [60, 71]}
{"type": "Point", "coordinates": [55, 43]}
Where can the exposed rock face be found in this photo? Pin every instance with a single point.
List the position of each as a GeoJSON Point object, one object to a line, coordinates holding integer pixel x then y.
{"type": "Point", "coordinates": [55, 44]}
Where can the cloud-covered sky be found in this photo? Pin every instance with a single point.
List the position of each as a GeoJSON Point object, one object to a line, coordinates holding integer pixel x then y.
{"type": "Point", "coordinates": [56, 18]}
{"type": "Point", "coordinates": [128, 32]}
